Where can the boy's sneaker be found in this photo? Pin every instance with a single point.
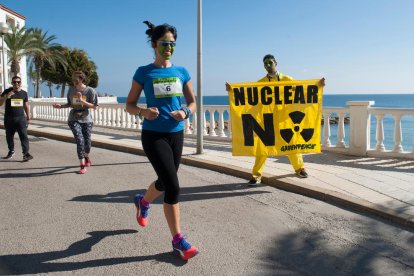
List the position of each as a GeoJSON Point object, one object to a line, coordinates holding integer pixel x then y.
{"type": "Point", "coordinates": [184, 249]}
{"type": "Point", "coordinates": [82, 170]}
{"type": "Point", "coordinates": [27, 157]}
{"type": "Point", "coordinates": [254, 182]}
{"type": "Point", "coordinates": [88, 162]}
{"type": "Point", "coordinates": [301, 173]}
{"type": "Point", "coordinates": [142, 211]}
{"type": "Point", "coordinates": [9, 155]}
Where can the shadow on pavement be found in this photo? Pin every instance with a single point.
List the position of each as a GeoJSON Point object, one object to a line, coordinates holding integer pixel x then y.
{"type": "Point", "coordinates": [186, 194]}
{"type": "Point", "coordinates": [306, 252]}
{"type": "Point", "coordinates": [52, 170]}
{"type": "Point", "coordinates": [46, 262]}
{"type": "Point", "coordinates": [365, 163]}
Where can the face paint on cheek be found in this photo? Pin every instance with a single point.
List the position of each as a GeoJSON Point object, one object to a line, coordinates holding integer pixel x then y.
{"type": "Point", "coordinates": [162, 50]}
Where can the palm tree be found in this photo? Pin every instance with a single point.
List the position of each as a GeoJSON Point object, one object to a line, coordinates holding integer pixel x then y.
{"type": "Point", "coordinates": [33, 77]}
{"type": "Point", "coordinates": [44, 51]}
{"type": "Point", "coordinates": [50, 85]}
{"type": "Point", "coordinates": [20, 43]}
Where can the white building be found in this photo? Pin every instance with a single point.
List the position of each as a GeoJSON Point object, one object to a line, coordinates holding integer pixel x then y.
{"type": "Point", "coordinates": [11, 18]}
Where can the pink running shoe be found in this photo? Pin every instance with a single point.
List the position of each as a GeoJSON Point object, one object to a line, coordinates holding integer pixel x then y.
{"type": "Point", "coordinates": [142, 211]}
{"type": "Point", "coordinates": [184, 249]}
{"type": "Point", "coordinates": [88, 162]}
{"type": "Point", "coordinates": [82, 170]}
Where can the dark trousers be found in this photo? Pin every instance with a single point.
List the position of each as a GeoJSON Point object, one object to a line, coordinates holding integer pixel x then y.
{"type": "Point", "coordinates": [18, 124]}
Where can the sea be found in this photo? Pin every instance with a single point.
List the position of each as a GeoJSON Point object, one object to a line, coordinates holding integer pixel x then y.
{"type": "Point", "coordinates": [339, 100]}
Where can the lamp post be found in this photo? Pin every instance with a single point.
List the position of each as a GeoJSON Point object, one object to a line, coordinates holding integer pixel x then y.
{"type": "Point", "coordinates": [4, 29]}
{"type": "Point", "coordinates": [200, 114]}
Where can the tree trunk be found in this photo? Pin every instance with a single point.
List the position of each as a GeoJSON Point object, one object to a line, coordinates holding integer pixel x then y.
{"type": "Point", "coordinates": [50, 84]}
{"type": "Point", "coordinates": [37, 82]}
{"type": "Point", "coordinates": [62, 93]}
{"type": "Point", "coordinates": [15, 67]}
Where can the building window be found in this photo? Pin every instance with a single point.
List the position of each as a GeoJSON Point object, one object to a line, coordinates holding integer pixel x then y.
{"type": "Point", "coordinates": [10, 21]}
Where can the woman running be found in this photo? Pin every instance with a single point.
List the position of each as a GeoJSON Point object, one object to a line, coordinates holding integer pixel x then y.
{"type": "Point", "coordinates": [81, 98]}
{"type": "Point", "coordinates": [163, 128]}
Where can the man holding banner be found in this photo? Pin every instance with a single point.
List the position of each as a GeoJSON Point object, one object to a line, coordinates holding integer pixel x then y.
{"type": "Point", "coordinates": [284, 114]}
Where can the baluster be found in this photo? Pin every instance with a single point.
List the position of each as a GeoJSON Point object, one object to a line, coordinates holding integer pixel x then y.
{"type": "Point", "coordinates": [194, 125]}
{"type": "Point", "coordinates": [34, 111]}
{"type": "Point", "coordinates": [204, 123]}
{"type": "Point", "coordinates": [128, 118]}
{"type": "Point", "coordinates": [229, 125]}
{"type": "Point", "coordinates": [380, 133]}
{"type": "Point", "coordinates": [118, 117]}
{"type": "Point", "coordinates": [341, 131]}
{"type": "Point", "coordinates": [187, 123]}
{"type": "Point", "coordinates": [104, 116]}
{"type": "Point", "coordinates": [99, 115]}
{"type": "Point", "coordinates": [221, 123]}
{"type": "Point", "coordinates": [123, 123]}
{"type": "Point", "coordinates": [397, 134]}
{"type": "Point", "coordinates": [326, 130]}
{"type": "Point", "coordinates": [212, 124]}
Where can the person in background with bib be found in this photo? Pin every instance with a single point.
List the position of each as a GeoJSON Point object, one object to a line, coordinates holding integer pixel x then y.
{"type": "Point", "coordinates": [16, 117]}
{"type": "Point", "coordinates": [81, 98]}
{"type": "Point", "coordinates": [164, 84]}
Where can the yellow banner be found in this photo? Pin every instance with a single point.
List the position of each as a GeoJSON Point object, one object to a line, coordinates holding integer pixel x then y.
{"type": "Point", "coordinates": [276, 118]}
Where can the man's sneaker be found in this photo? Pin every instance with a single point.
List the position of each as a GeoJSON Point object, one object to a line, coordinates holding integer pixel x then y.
{"type": "Point", "coordinates": [254, 182]}
{"type": "Point", "coordinates": [82, 170]}
{"type": "Point", "coordinates": [27, 157]}
{"type": "Point", "coordinates": [301, 173]}
{"type": "Point", "coordinates": [142, 211]}
{"type": "Point", "coordinates": [88, 162]}
{"type": "Point", "coordinates": [184, 249]}
{"type": "Point", "coordinates": [9, 155]}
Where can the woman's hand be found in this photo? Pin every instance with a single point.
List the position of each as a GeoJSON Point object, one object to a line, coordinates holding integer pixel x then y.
{"type": "Point", "coordinates": [179, 115]}
{"type": "Point", "coordinates": [79, 94]}
{"type": "Point", "coordinates": [57, 106]}
{"type": "Point", "coordinates": [150, 113]}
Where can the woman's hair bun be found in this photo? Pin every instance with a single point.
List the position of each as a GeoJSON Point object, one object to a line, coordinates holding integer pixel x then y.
{"type": "Point", "coordinates": [151, 28]}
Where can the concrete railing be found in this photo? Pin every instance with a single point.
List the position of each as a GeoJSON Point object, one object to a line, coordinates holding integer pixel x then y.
{"type": "Point", "coordinates": [101, 100]}
{"type": "Point", "coordinates": [358, 114]}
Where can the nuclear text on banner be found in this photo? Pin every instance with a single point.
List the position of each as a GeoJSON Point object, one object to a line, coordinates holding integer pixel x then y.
{"type": "Point", "coordinates": [276, 118]}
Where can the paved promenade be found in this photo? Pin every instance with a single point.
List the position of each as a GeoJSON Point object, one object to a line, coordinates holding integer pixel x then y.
{"type": "Point", "coordinates": [380, 186]}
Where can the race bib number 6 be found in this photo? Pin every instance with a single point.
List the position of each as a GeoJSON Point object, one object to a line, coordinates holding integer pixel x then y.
{"type": "Point", "coordinates": [167, 87]}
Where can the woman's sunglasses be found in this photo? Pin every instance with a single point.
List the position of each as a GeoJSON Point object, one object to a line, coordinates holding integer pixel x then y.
{"type": "Point", "coordinates": [168, 43]}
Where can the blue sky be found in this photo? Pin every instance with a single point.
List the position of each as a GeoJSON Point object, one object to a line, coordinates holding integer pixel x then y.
{"type": "Point", "coordinates": [359, 46]}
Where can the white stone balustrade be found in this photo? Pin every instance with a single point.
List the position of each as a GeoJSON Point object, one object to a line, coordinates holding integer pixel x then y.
{"type": "Point", "coordinates": [358, 113]}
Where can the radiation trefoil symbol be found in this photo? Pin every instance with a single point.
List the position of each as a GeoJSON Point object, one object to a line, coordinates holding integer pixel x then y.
{"type": "Point", "coordinates": [297, 118]}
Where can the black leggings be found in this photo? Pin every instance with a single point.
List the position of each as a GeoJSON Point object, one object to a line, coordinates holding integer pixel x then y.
{"type": "Point", "coordinates": [164, 152]}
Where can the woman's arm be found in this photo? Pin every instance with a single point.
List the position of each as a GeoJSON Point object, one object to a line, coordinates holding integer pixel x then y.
{"type": "Point", "coordinates": [191, 107]}
{"type": "Point", "coordinates": [189, 97]}
{"type": "Point", "coordinates": [132, 99]}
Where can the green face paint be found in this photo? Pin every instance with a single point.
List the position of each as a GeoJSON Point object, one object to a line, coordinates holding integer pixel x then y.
{"type": "Point", "coordinates": [166, 50]}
